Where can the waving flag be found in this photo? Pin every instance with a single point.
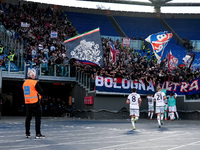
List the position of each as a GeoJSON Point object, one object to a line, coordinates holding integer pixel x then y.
{"type": "Point", "coordinates": [86, 47]}
{"type": "Point", "coordinates": [112, 52]}
{"type": "Point", "coordinates": [158, 42]}
{"type": "Point", "coordinates": [188, 59]}
{"type": "Point", "coordinates": [172, 62]}
{"type": "Point", "coordinates": [86, 62]}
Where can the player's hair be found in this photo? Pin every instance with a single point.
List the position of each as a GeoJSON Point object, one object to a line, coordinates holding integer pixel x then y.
{"type": "Point", "coordinates": [134, 90]}
{"type": "Point", "coordinates": [31, 74]}
{"type": "Point", "coordinates": [158, 88]}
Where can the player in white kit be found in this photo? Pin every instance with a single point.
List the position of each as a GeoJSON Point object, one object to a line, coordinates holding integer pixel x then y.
{"type": "Point", "coordinates": [159, 99]}
{"type": "Point", "coordinates": [150, 99]}
{"type": "Point", "coordinates": [134, 102]}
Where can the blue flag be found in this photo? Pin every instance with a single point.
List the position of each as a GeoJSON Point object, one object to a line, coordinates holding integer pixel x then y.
{"type": "Point", "coordinates": [159, 41]}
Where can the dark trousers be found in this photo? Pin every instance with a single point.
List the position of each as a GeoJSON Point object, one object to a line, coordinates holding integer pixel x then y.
{"type": "Point", "coordinates": [30, 110]}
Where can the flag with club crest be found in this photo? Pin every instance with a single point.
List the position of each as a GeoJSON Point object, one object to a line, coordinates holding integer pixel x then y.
{"type": "Point", "coordinates": [158, 42]}
{"type": "Point", "coordinates": [87, 47]}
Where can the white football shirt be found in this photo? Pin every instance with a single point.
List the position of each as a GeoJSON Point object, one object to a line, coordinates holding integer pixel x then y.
{"type": "Point", "coordinates": [134, 100]}
{"type": "Point", "coordinates": [150, 100]}
{"type": "Point", "coordinates": [159, 97]}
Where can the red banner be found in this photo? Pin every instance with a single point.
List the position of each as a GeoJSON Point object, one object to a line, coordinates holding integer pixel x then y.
{"type": "Point", "coordinates": [88, 100]}
{"type": "Point", "coordinates": [172, 62]}
{"type": "Point", "coordinates": [126, 42]}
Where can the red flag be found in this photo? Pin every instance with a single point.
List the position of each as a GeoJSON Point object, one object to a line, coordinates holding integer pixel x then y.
{"type": "Point", "coordinates": [172, 62]}
{"type": "Point", "coordinates": [112, 52]}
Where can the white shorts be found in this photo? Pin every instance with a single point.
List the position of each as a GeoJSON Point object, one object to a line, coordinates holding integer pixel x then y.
{"type": "Point", "coordinates": [151, 108]}
{"type": "Point", "coordinates": [175, 109]}
{"type": "Point", "coordinates": [134, 112]}
{"type": "Point", "coordinates": [172, 108]}
{"type": "Point", "coordinates": [160, 109]}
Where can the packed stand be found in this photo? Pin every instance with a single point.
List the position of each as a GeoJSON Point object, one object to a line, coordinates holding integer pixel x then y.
{"type": "Point", "coordinates": [42, 32]}
{"type": "Point", "coordinates": [136, 65]}
{"type": "Point", "coordinates": [33, 26]}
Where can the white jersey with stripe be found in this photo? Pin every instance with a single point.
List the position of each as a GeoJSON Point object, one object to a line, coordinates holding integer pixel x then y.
{"type": "Point", "coordinates": [150, 100]}
{"type": "Point", "coordinates": [134, 100]}
{"type": "Point", "coordinates": [159, 97]}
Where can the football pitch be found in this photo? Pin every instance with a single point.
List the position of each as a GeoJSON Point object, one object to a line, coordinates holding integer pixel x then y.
{"type": "Point", "coordinates": [88, 134]}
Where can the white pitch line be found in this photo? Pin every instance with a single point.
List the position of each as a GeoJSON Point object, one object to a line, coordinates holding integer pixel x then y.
{"type": "Point", "coordinates": [125, 144]}
{"type": "Point", "coordinates": [144, 147]}
{"type": "Point", "coordinates": [193, 143]}
{"type": "Point", "coordinates": [12, 141]}
{"type": "Point", "coordinates": [68, 143]}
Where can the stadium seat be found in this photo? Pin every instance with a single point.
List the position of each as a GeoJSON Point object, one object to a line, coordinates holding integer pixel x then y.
{"type": "Point", "coordinates": [87, 22]}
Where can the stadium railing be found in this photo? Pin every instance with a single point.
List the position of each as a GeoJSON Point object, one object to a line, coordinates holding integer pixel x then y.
{"type": "Point", "coordinates": [11, 44]}
{"type": "Point", "coordinates": [85, 81]}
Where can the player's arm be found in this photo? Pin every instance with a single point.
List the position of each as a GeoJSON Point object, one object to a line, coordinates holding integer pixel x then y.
{"type": "Point", "coordinates": [127, 101]}
{"type": "Point", "coordinates": [140, 101]}
{"type": "Point", "coordinates": [175, 95]}
{"type": "Point", "coordinates": [154, 98]}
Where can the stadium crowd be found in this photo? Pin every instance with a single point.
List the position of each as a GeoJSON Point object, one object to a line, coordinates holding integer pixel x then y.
{"type": "Point", "coordinates": [42, 48]}
{"type": "Point", "coordinates": [136, 65]}
{"type": "Point", "coordinates": [42, 31]}
{"type": "Point", "coordinates": [130, 64]}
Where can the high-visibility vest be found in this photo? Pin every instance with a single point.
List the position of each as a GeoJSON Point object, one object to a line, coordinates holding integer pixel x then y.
{"type": "Point", "coordinates": [11, 57]}
{"type": "Point", "coordinates": [136, 53]}
{"type": "Point", "coordinates": [148, 50]}
{"type": "Point", "coordinates": [30, 93]}
{"type": "Point", "coordinates": [196, 72]}
{"type": "Point", "coordinates": [143, 47]}
{"type": "Point", "coordinates": [1, 49]}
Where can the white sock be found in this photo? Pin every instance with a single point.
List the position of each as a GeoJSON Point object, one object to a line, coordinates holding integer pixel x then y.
{"type": "Point", "coordinates": [158, 118]}
{"type": "Point", "coordinates": [177, 114]}
{"type": "Point", "coordinates": [136, 118]}
{"type": "Point", "coordinates": [162, 116]}
{"type": "Point", "coordinates": [151, 115]}
{"type": "Point", "coordinates": [172, 115]}
{"type": "Point", "coordinates": [132, 121]}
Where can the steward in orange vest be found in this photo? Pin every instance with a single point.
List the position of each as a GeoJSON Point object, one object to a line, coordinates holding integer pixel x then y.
{"type": "Point", "coordinates": [32, 96]}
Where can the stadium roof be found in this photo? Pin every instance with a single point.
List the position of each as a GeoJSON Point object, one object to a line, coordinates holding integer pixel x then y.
{"type": "Point", "coordinates": [147, 6]}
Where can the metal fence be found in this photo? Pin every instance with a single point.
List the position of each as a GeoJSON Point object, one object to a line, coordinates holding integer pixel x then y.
{"type": "Point", "coordinates": [85, 81]}
{"type": "Point", "coordinates": [11, 44]}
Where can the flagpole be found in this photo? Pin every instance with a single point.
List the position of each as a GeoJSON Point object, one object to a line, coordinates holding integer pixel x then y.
{"type": "Point", "coordinates": [168, 62]}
